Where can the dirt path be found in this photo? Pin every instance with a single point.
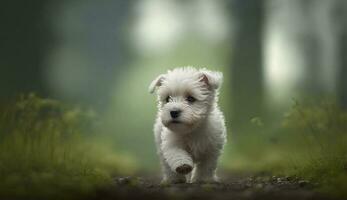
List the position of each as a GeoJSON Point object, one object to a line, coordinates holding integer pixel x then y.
{"type": "Point", "coordinates": [243, 187]}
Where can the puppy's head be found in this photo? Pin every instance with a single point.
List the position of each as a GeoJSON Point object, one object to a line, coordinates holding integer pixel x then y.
{"type": "Point", "coordinates": [186, 97]}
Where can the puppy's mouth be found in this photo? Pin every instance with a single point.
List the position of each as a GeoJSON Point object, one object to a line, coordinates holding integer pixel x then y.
{"type": "Point", "coordinates": [175, 122]}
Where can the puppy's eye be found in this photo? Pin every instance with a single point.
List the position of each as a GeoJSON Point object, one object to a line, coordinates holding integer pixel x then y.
{"type": "Point", "coordinates": [191, 99]}
{"type": "Point", "coordinates": [168, 98]}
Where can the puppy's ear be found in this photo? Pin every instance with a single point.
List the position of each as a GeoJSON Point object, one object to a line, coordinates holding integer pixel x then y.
{"type": "Point", "coordinates": [213, 79]}
{"type": "Point", "coordinates": [156, 83]}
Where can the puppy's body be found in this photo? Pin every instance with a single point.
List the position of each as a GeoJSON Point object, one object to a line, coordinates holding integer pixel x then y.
{"type": "Point", "coordinates": [193, 140]}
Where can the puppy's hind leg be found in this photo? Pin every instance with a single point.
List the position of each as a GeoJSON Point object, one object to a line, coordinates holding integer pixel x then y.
{"type": "Point", "coordinates": [205, 171]}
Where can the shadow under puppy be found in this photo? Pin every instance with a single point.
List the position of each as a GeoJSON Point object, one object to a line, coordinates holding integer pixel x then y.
{"type": "Point", "coordinates": [189, 130]}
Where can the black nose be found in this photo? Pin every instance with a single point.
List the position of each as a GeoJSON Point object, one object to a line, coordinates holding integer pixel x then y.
{"type": "Point", "coordinates": [175, 113]}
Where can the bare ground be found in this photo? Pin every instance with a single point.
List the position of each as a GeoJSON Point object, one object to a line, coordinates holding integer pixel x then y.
{"type": "Point", "coordinates": [233, 187]}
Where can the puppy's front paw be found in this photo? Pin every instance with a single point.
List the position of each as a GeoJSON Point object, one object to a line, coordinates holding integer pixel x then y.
{"type": "Point", "coordinates": [184, 169]}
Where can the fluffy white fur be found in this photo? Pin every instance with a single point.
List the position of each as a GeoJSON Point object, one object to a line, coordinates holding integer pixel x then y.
{"type": "Point", "coordinates": [189, 146]}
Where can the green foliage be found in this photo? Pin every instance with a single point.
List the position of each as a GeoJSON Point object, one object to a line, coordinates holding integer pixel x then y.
{"type": "Point", "coordinates": [311, 142]}
{"type": "Point", "coordinates": [323, 130]}
{"type": "Point", "coordinates": [48, 148]}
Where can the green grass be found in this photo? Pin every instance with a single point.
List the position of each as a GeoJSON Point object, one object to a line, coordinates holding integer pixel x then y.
{"type": "Point", "coordinates": [311, 142]}
{"type": "Point", "coordinates": [323, 131]}
{"type": "Point", "coordinates": [48, 149]}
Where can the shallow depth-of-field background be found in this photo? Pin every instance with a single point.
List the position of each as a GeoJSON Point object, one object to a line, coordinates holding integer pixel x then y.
{"type": "Point", "coordinates": [75, 111]}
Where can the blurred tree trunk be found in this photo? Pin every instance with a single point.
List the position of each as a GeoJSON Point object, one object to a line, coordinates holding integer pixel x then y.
{"type": "Point", "coordinates": [24, 35]}
{"type": "Point", "coordinates": [247, 62]}
{"type": "Point", "coordinates": [341, 25]}
{"type": "Point", "coordinates": [309, 44]}
{"type": "Point", "coordinates": [342, 69]}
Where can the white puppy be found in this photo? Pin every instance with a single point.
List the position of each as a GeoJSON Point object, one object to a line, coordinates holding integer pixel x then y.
{"type": "Point", "coordinates": [189, 131]}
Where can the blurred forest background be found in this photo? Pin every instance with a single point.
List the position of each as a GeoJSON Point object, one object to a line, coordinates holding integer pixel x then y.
{"type": "Point", "coordinates": [284, 63]}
